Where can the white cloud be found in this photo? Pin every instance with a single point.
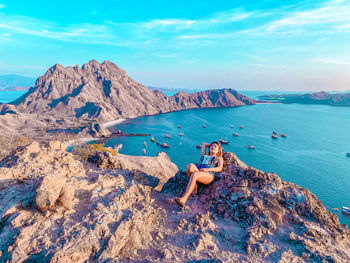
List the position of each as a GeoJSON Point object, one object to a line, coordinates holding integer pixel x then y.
{"type": "Point", "coordinates": [269, 66]}
{"type": "Point", "coordinates": [165, 55]}
{"type": "Point", "coordinates": [258, 58]}
{"type": "Point", "coordinates": [332, 12]}
{"type": "Point", "coordinates": [178, 23]}
{"type": "Point", "coordinates": [332, 61]}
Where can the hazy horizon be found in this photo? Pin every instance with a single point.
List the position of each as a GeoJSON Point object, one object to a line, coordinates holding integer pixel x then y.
{"type": "Point", "coordinates": [269, 45]}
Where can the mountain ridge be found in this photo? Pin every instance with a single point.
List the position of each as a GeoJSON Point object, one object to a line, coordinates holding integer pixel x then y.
{"type": "Point", "coordinates": [106, 92]}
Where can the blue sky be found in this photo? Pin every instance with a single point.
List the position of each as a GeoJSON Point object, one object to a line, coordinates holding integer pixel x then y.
{"type": "Point", "coordinates": [284, 45]}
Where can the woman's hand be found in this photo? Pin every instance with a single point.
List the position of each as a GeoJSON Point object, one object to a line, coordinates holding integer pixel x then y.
{"type": "Point", "coordinates": [203, 170]}
{"type": "Point", "coordinates": [206, 144]}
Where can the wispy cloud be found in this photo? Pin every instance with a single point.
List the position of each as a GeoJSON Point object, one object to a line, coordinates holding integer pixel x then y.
{"type": "Point", "coordinates": [254, 57]}
{"type": "Point", "coordinates": [269, 66]}
{"type": "Point", "coordinates": [45, 29]}
{"type": "Point", "coordinates": [332, 61]}
{"type": "Point", "coordinates": [331, 12]}
{"type": "Point", "coordinates": [177, 23]}
{"type": "Point", "coordinates": [165, 55]}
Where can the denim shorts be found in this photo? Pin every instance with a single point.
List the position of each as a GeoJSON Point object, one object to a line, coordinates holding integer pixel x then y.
{"type": "Point", "coordinates": [205, 166]}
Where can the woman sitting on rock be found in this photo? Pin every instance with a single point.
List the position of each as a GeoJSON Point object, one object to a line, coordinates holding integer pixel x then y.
{"type": "Point", "coordinates": [203, 172]}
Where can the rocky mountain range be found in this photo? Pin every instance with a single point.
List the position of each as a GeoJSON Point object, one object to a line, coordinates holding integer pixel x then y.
{"type": "Point", "coordinates": [118, 208]}
{"type": "Point", "coordinates": [103, 92]}
{"type": "Point", "coordinates": [333, 99]}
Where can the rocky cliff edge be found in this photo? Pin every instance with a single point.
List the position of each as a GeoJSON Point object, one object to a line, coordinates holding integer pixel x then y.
{"type": "Point", "coordinates": [56, 208]}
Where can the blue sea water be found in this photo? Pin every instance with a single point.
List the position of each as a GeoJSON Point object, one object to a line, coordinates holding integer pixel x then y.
{"type": "Point", "coordinates": [10, 95]}
{"type": "Point", "coordinates": [313, 155]}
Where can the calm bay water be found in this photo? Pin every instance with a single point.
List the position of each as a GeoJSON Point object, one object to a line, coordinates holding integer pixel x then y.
{"type": "Point", "coordinates": [10, 95]}
{"type": "Point", "coordinates": [312, 155]}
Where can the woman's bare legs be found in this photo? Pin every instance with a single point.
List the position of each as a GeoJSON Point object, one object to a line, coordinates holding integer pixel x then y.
{"type": "Point", "coordinates": [191, 168]}
{"type": "Point", "coordinates": [200, 177]}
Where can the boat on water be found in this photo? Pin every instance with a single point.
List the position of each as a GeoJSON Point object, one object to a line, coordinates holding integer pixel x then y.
{"type": "Point", "coordinates": [346, 210]}
{"type": "Point", "coordinates": [165, 145]}
{"type": "Point", "coordinates": [283, 135]}
{"type": "Point", "coordinates": [223, 141]}
{"type": "Point", "coordinates": [181, 134]}
{"type": "Point", "coordinates": [145, 144]}
{"type": "Point", "coordinates": [274, 136]}
{"type": "Point", "coordinates": [231, 126]}
{"type": "Point", "coordinates": [204, 126]}
{"type": "Point", "coordinates": [250, 146]}
{"type": "Point", "coordinates": [198, 146]}
{"type": "Point", "coordinates": [348, 154]}
{"type": "Point", "coordinates": [157, 142]}
{"type": "Point", "coordinates": [179, 126]}
{"type": "Point", "coordinates": [167, 136]}
{"type": "Point", "coordinates": [235, 134]}
{"type": "Point", "coordinates": [241, 127]}
{"type": "Point", "coordinates": [144, 151]}
{"type": "Point", "coordinates": [152, 139]}
{"type": "Point", "coordinates": [275, 133]}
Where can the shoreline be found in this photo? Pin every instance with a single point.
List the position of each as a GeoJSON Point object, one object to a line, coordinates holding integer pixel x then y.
{"type": "Point", "coordinates": [112, 123]}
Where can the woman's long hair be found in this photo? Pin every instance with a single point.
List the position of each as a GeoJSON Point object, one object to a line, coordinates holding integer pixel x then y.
{"type": "Point", "coordinates": [219, 153]}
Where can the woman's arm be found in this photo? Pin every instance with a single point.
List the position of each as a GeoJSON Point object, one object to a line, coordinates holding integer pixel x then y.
{"type": "Point", "coordinates": [216, 169]}
{"type": "Point", "coordinates": [204, 147]}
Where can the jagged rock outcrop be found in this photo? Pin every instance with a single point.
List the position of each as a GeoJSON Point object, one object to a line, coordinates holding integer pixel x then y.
{"type": "Point", "coordinates": [245, 215]}
{"type": "Point", "coordinates": [96, 130]}
{"type": "Point", "coordinates": [105, 92]}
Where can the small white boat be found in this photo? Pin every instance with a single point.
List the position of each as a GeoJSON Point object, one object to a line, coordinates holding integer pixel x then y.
{"type": "Point", "coordinates": [117, 148]}
{"type": "Point", "coordinates": [167, 135]}
{"type": "Point", "coordinates": [223, 141]}
{"type": "Point", "coordinates": [250, 146]}
{"type": "Point", "coordinates": [181, 134]}
{"type": "Point", "coordinates": [152, 139]}
{"type": "Point", "coordinates": [145, 144]}
{"type": "Point", "coordinates": [346, 210]}
{"type": "Point", "coordinates": [165, 145]}
{"type": "Point", "coordinates": [274, 136]}
{"type": "Point", "coordinates": [144, 151]}
{"type": "Point", "coordinates": [179, 126]}
{"type": "Point", "coordinates": [231, 126]}
{"type": "Point", "coordinates": [235, 134]}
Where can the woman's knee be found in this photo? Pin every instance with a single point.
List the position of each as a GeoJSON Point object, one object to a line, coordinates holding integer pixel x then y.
{"type": "Point", "coordinates": [191, 167]}
{"type": "Point", "coordinates": [195, 175]}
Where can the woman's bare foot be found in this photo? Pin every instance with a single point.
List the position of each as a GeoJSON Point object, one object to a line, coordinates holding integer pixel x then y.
{"type": "Point", "coordinates": [195, 190]}
{"type": "Point", "coordinates": [179, 202]}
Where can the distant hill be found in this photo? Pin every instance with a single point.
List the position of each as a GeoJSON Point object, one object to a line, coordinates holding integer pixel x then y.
{"type": "Point", "coordinates": [15, 81]}
{"type": "Point", "coordinates": [333, 99]}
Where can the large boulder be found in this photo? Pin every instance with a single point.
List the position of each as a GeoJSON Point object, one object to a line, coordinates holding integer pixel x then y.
{"type": "Point", "coordinates": [159, 167]}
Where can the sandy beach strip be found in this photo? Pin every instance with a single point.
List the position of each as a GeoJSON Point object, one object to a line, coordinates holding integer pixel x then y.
{"type": "Point", "coordinates": [112, 123]}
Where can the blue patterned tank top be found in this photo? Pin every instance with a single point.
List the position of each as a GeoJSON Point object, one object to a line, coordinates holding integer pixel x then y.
{"type": "Point", "coordinates": [207, 161]}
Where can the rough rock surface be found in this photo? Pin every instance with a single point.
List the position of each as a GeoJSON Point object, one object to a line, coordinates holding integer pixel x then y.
{"type": "Point", "coordinates": [245, 215]}
{"type": "Point", "coordinates": [96, 130]}
{"type": "Point", "coordinates": [100, 91]}
{"type": "Point", "coordinates": [337, 99]}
